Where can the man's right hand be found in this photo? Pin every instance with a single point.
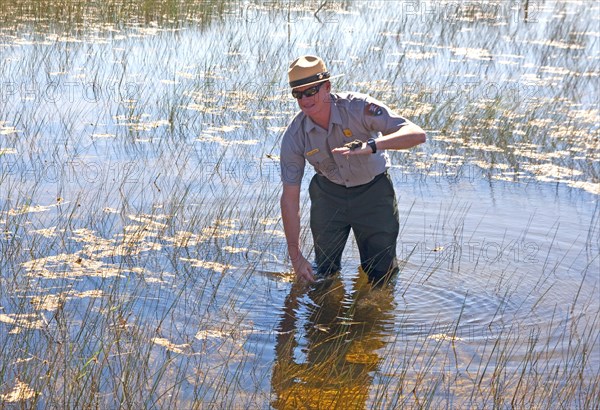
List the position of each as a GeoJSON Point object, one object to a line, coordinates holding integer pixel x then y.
{"type": "Point", "coordinates": [290, 216]}
{"type": "Point", "coordinates": [303, 269]}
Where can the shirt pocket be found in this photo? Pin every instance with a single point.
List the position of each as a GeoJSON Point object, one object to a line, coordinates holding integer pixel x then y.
{"type": "Point", "coordinates": [316, 156]}
{"type": "Point", "coordinates": [323, 163]}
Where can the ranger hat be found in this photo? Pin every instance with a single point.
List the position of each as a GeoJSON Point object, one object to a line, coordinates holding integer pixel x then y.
{"type": "Point", "coordinates": [307, 70]}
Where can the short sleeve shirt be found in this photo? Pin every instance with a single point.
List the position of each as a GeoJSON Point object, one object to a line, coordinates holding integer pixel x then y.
{"type": "Point", "coordinates": [353, 116]}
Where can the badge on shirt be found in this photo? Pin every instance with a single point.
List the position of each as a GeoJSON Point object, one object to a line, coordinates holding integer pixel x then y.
{"type": "Point", "coordinates": [373, 110]}
{"type": "Point", "coordinates": [347, 132]}
{"type": "Point", "coordinates": [312, 152]}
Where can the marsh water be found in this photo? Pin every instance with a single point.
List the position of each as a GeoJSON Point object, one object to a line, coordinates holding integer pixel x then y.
{"type": "Point", "coordinates": [143, 260]}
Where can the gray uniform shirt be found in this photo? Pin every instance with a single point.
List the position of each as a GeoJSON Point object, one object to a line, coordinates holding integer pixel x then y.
{"type": "Point", "coordinates": [353, 116]}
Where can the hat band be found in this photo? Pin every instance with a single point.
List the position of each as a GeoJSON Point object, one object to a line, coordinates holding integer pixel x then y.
{"type": "Point", "coordinates": [311, 79]}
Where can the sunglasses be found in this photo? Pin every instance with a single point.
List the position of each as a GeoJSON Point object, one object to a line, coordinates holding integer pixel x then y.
{"type": "Point", "coordinates": [307, 93]}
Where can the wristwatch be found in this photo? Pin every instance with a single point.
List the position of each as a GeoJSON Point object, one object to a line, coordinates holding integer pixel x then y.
{"type": "Point", "coordinates": [371, 143]}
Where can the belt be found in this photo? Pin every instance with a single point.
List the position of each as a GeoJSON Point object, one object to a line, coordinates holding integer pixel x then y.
{"type": "Point", "coordinates": [375, 179]}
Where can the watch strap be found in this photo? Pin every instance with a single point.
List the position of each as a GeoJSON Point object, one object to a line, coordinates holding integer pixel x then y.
{"type": "Point", "coordinates": [371, 143]}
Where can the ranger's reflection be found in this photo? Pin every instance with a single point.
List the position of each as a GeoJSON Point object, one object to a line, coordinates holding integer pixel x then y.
{"type": "Point", "coordinates": [329, 343]}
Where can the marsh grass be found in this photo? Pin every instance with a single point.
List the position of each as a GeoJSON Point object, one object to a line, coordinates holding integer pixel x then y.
{"type": "Point", "coordinates": [142, 256]}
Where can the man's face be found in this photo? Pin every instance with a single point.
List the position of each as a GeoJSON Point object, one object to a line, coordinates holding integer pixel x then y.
{"type": "Point", "coordinates": [315, 103]}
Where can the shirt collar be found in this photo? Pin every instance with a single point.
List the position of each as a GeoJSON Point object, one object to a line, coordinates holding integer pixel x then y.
{"type": "Point", "coordinates": [335, 117]}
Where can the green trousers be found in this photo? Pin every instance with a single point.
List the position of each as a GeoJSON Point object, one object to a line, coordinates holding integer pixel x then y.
{"type": "Point", "coordinates": [370, 210]}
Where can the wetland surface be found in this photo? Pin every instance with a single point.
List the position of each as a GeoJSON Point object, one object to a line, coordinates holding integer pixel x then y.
{"type": "Point", "coordinates": [143, 262]}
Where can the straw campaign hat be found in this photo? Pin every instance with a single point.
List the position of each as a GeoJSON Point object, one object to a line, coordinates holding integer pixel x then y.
{"type": "Point", "coordinates": [307, 70]}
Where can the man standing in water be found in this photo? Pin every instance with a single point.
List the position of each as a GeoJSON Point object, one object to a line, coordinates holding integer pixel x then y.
{"type": "Point", "coordinates": [344, 136]}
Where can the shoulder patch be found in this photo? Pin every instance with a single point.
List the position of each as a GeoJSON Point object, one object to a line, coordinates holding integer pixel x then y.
{"type": "Point", "coordinates": [373, 110]}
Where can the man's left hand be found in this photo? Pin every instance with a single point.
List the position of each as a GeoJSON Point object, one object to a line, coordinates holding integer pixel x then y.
{"type": "Point", "coordinates": [364, 150]}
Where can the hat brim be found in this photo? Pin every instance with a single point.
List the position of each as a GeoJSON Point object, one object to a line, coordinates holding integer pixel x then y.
{"type": "Point", "coordinates": [319, 81]}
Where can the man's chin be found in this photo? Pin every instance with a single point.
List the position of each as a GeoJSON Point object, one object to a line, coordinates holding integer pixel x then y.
{"type": "Point", "coordinates": [309, 110]}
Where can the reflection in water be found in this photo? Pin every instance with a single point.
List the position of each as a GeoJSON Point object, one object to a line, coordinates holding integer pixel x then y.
{"type": "Point", "coordinates": [328, 343]}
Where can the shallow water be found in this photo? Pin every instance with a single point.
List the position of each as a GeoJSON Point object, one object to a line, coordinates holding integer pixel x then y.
{"type": "Point", "coordinates": [511, 280]}
{"type": "Point", "coordinates": [139, 186]}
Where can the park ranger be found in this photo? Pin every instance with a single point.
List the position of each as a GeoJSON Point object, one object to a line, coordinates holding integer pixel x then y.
{"type": "Point", "coordinates": [344, 136]}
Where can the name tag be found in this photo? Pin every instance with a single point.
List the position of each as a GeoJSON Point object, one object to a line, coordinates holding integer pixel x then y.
{"type": "Point", "coordinates": [312, 152]}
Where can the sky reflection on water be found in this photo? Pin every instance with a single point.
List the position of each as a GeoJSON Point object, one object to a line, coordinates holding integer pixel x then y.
{"type": "Point", "coordinates": [139, 185]}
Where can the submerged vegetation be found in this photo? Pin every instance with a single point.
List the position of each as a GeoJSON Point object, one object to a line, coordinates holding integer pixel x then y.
{"type": "Point", "coordinates": [142, 259]}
